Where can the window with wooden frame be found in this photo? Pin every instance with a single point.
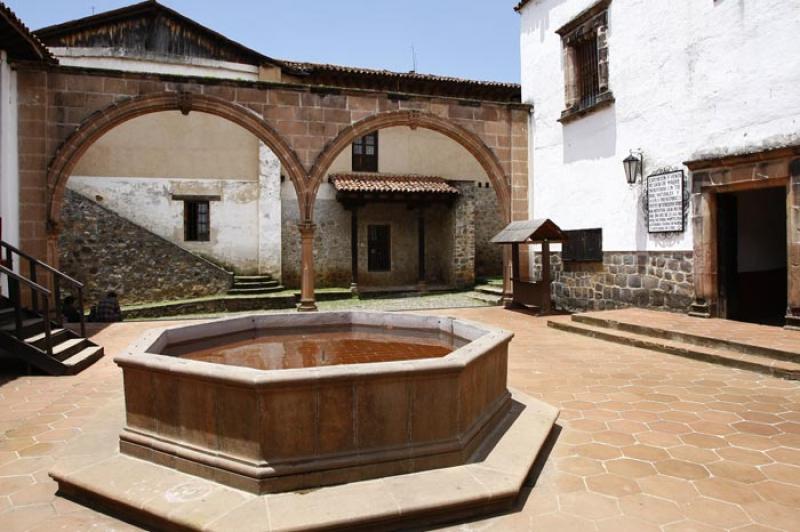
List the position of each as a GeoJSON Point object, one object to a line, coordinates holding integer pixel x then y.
{"type": "Point", "coordinates": [196, 221]}
{"type": "Point", "coordinates": [584, 245]}
{"type": "Point", "coordinates": [585, 48]}
{"type": "Point", "coordinates": [379, 248]}
{"type": "Point", "coordinates": [365, 153]}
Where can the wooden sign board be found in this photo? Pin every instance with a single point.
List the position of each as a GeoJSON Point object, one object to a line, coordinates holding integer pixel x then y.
{"type": "Point", "coordinates": [665, 202]}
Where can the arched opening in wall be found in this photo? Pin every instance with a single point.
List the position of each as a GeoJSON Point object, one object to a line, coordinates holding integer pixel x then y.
{"type": "Point", "coordinates": [419, 207]}
{"type": "Point", "coordinates": [165, 206]}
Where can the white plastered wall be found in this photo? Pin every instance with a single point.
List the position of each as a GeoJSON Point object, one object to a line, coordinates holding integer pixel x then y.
{"type": "Point", "coordinates": [690, 78]}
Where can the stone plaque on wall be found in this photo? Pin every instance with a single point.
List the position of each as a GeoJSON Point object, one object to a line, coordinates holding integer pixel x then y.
{"type": "Point", "coordinates": [665, 202]}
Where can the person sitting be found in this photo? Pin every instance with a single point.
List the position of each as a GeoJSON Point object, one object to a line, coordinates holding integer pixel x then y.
{"type": "Point", "coordinates": [68, 310]}
{"type": "Point", "coordinates": [108, 309]}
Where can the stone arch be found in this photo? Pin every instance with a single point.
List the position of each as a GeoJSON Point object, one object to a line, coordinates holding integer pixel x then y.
{"type": "Point", "coordinates": [413, 119]}
{"type": "Point", "coordinates": [99, 123]}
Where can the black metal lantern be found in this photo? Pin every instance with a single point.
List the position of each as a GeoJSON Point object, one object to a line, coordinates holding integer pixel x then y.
{"type": "Point", "coordinates": [633, 167]}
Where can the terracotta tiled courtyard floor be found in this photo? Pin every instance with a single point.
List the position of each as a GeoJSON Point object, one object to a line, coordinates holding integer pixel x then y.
{"type": "Point", "coordinates": [648, 441]}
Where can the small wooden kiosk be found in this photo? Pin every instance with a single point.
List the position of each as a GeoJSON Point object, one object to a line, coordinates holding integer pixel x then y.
{"type": "Point", "coordinates": [530, 294]}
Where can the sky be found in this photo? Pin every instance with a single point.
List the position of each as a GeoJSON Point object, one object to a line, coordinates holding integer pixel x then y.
{"type": "Point", "coordinates": [475, 39]}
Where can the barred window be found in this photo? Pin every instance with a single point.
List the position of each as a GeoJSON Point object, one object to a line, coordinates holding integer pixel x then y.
{"type": "Point", "coordinates": [585, 47]}
{"type": "Point", "coordinates": [196, 221]}
{"type": "Point", "coordinates": [583, 245]}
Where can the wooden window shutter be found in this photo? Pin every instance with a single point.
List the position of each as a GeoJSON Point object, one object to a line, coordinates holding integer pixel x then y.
{"type": "Point", "coordinates": [602, 57]}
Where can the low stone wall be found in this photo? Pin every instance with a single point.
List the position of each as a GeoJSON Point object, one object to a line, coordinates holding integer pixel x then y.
{"type": "Point", "coordinates": [107, 252]}
{"type": "Point", "coordinates": [657, 280]}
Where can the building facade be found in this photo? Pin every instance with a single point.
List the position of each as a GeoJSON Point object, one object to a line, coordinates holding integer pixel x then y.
{"type": "Point", "coordinates": [703, 103]}
{"type": "Point", "coordinates": [153, 132]}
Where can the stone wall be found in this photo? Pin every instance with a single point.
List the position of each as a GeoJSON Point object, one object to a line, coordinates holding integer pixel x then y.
{"type": "Point", "coordinates": [108, 252]}
{"type": "Point", "coordinates": [331, 242]}
{"type": "Point", "coordinates": [332, 260]}
{"type": "Point", "coordinates": [463, 237]}
{"type": "Point", "coordinates": [488, 222]}
{"type": "Point", "coordinates": [657, 280]}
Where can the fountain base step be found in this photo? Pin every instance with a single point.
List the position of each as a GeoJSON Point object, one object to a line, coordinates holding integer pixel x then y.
{"type": "Point", "coordinates": [158, 497]}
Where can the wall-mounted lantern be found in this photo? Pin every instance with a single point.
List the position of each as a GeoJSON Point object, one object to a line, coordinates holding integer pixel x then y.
{"type": "Point", "coordinates": [633, 166]}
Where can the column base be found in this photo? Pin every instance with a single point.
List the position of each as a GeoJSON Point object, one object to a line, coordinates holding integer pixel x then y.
{"type": "Point", "coordinates": [792, 320]}
{"type": "Point", "coordinates": [307, 306]}
{"type": "Point", "coordinates": [700, 309]}
{"type": "Point", "coordinates": [354, 288]}
{"type": "Point", "coordinates": [422, 286]}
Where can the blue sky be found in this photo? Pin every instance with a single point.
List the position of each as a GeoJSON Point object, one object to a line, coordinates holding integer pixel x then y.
{"type": "Point", "coordinates": [477, 39]}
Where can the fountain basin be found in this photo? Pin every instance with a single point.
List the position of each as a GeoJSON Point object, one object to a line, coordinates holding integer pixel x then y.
{"type": "Point", "coordinates": [277, 430]}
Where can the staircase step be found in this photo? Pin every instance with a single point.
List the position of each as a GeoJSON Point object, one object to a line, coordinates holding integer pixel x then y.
{"type": "Point", "coordinates": [252, 278]}
{"type": "Point", "coordinates": [254, 291]}
{"type": "Point", "coordinates": [84, 358]}
{"type": "Point", "coordinates": [30, 327]}
{"type": "Point", "coordinates": [490, 289]}
{"type": "Point", "coordinates": [754, 362]}
{"type": "Point", "coordinates": [68, 348]}
{"type": "Point", "coordinates": [491, 299]}
{"type": "Point", "coordinates": [686, 337]}
{"type": "Point", "coordinates": [254, 284]}
{"type": "Point", "coordinates": [57, 335]}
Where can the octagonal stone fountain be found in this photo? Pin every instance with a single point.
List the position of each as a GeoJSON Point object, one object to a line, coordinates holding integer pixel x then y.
{"type": "Point", "coordinates": [310, 412]}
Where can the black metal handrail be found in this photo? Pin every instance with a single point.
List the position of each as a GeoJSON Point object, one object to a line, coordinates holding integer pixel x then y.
{"type": "Point", "coordinates": [14, 281]}
{"type": "Point", "coordinates": [57, 276]}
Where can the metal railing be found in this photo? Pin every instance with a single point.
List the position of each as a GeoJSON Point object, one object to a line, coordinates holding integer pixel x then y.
{"type": "Point", "coordinates": [14, 294]}
{"type": "Point", "coordinates": [56, 277]}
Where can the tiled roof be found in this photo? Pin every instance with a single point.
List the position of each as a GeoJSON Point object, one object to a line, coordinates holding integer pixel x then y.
{"type": "Point", "coordinates": [403, 82]}
{"type": "Point", "coordinates": [311, 67]}
{"type": "Point", "coordinates": [18, 40]}
{"type": "Point", "coordinates": [405, 183]}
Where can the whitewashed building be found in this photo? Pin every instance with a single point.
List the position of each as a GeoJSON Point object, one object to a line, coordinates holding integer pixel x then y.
{"type": "Point", "coordinates": [704, 93]}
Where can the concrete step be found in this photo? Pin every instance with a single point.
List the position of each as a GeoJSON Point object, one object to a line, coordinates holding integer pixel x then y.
{"type": "Point", "coordinates": [727, 357]}
{"type": "Point", "coordinates": [701, 340]}
{"type": "Point", "coordinates": [489, 299]}
{"type": "Point", "coordinates": [490, 289]}
{"type": "Point", "coordinates": [255, 284]}
{"type": "Point", "coordinates": [252, 278]}
{"type": "Point", "coordinates": [253, 290]}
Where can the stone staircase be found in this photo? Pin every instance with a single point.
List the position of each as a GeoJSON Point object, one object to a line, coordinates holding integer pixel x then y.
{"type": "Point", "coordinates": [768, 350]}
{"type": "Point", "coordinates": [491, 294]}
{"type": "Point", "coordinates": [254, 285]}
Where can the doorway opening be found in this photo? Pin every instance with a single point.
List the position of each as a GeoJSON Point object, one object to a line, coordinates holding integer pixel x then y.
{"type": "Point", "coordinates": [751, 255]}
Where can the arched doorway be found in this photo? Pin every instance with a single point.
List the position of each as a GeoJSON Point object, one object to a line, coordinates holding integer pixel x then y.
{"type": "Point", "coordinates": [177, 189]}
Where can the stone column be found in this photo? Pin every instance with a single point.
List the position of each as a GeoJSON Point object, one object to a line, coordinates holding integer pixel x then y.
{"type": "Point", "coordinates": [793, 246]}
{"type": "Point", "coordinates": [547, 304]}
{"type": "Point", "coordinates": [354, 249]}
{"type": "Point", "coordinates": [508, 296]}
{"type": "Point", "coordinates": [704, 214]}
{"type": "Point", "coordinates": [307, 300]}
